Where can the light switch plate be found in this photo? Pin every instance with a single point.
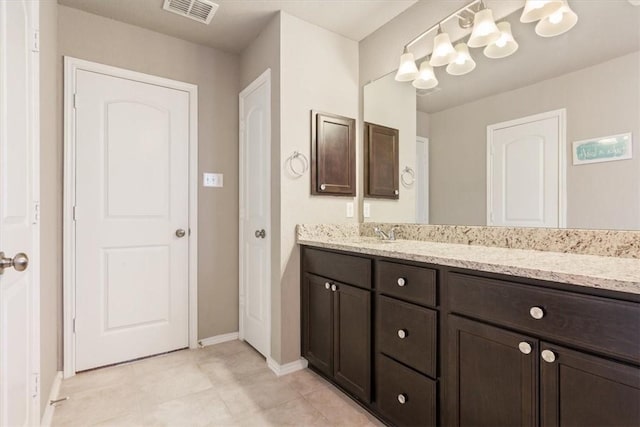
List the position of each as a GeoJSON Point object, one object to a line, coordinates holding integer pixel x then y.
{"type": "Point", "coordinates": [212, 179]}
{"type": "Point", "coordinates": [349, 209]}
{"type": "Point", "coordinates": [366, 210]}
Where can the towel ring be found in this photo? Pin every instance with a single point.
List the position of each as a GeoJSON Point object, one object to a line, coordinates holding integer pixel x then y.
{"type": "Point", "coordinates": [302, 164]}
{"type": "Point", "coordinates": [408, 176]}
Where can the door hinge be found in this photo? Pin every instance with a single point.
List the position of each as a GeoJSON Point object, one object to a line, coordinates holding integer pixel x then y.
{"type": "Point", "coordinates": [36, 384]}
{"type": "Point", "coordinates": [36, 212]}
{"type": "Point", "coordinates": [35, 43]}
{"type": "Point", "coordinates": [75, 100]}
{"type": "Point", "coordinates": [74, 325]}
{"type": "Point", "coordinates": [75, 213]}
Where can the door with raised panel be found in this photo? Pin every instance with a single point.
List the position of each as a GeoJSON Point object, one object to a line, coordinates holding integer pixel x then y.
{"type": "Point", "coordinates": [131, 219]}
{"type": "Point", "coordinates": [317, 322]}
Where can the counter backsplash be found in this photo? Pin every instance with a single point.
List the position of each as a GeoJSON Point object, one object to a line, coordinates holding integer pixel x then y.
{"type": "Point", "coordinates": [623, 244]}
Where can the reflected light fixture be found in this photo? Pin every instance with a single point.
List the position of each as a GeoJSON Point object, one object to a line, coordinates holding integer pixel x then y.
{"type": "Point", "coordinates": [505, 45]}
{"type": "Point", "coordinates": [443, 51]}
{"type": "Point", "coordinates": [463, 63]}
{"type": "Point", "coordinates": [485, 30]}
{"type": "Point", "coordinates": [559, 22]}
{"type": "Point", "coordinates": [426, 78]}
{"type": "Point", "coordinates": [407, 70]}
{"type": "Point", "coordinates": [535, 10]}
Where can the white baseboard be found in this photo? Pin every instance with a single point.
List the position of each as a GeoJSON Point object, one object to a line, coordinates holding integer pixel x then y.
{"type": "Point", "coordinates": [47, 417]}
{"type": "Point", "coordinates": [218, 339]}
{"type": "Point", "coordinates": [287, 368]}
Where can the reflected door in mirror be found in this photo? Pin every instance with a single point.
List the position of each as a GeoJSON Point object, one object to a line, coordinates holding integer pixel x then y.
{"type": "Point", "coordinates": [381, 162]}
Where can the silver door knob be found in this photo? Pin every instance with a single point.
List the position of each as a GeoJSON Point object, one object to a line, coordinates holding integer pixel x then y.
{"type": "Point", "coordinates": [402, 398]}
{"type": "Point", "coordinates": [181, 233]}
{"type": "Point", "coordinates": [334, 288]}
{"type": "Point", "coordinates": [402, 333]}
{"type": "Point", "coordinates": [401, 281]}
{"type": "Point", "coordinates": [525, 347]}
{"type": "Point", "coordinates": [20, 262]}
{"type": "Point", "coordinates": [536, 312]}
{"type": "Point", "coordinates": [327, 285]}
{"type": "Point", "coordinates": [261, 234]}
{"type": "Point", "coordinates": [548, 356]}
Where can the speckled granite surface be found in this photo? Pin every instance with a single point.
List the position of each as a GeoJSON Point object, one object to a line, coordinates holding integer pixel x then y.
{"type": "Point", "coordinates": [606, 272]}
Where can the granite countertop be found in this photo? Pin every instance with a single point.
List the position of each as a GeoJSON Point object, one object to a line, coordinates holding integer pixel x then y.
{"type": "Point", "coordinates": [611, 273]}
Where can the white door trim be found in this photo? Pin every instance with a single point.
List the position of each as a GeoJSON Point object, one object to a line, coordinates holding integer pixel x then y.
{"type": "Point", "coordinates": [264, 78]}
{"type": "Point", "coordinates": [561, 115]}
{"type": "Point", "coordinates": [424, 141]}
{"type": "Point", "coordinates": [71, 66]}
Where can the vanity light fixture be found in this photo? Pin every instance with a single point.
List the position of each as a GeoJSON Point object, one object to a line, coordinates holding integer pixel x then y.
{"type": "Point", "coordinates": [535, 10]}
{"type": "Point", "coordinates": [463, 63]}
{"type": "Point", "coordinates": [427, 78]}
{"type": "Point", "coordinates": [407, 70]}
{"type": "Point", "coordinates": [485, 30]}
{"type": "Point", "coordinates": [443, 51]}
{"type": "Point", "coordinates": [559, 22]}
{"type": "Point", "coordinates": [505, 45]}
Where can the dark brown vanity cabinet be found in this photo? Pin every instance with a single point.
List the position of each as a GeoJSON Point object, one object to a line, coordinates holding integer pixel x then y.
{"type": "Point", "coordinates": [381, 159]}
{"type": "Point", "coordinates": [333, 155]}
{"type": "Point", "coordinates": [508, 373]}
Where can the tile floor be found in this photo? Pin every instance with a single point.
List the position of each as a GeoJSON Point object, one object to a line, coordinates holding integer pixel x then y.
{"type": "Point", "coordinates": [227, 384]}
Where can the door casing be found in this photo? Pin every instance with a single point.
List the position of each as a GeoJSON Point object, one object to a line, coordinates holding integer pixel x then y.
{"type": "Point", "coordinates": [71, 66]}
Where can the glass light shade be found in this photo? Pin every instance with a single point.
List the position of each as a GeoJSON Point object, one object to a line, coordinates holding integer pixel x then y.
{"type": "Point", "coordinates": [485, 30]}
{"type": "Point", "coordinates": [505, 45]}
{"type": "Point", "coordinates": [426, 78]}
{"type": "Point", "coordinates": [539, 9]}
{"type": "Point", "coordinates": [463, 63]}
{"type": "Point", "coordinates": [559, 22]}
{"type": "Point", "coordinates": [443, 51]}
{"type": "Point", "coordinates": [407, 69]}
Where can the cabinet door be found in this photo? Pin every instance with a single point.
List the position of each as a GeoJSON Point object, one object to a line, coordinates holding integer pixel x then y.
{"type": "Point", "coordinates": [582, 390]}
{"type": "Point", "coordinates": [333, 155]}
{"type": "Point", "coordinates": [381, 162]}
{"type": "Point", "coordinates": [491, 382]}
{"type": "Point", "coordinates": [317, 323]}
{"type": "Point", "coordinates": [352, 341]}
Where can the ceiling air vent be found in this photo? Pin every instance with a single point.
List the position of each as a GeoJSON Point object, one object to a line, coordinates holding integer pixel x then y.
{"type": "Point", "coordinates": [198, 10]}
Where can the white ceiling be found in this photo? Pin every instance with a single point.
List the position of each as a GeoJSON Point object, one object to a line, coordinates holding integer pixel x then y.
{"type": "Point", "coordinates": [238, 22]}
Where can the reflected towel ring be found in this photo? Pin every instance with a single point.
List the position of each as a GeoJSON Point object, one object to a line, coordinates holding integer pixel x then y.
{"type": "Point", "coordinates": [303, 164]}
{"type": "Point", "coordinates": [408, 176]}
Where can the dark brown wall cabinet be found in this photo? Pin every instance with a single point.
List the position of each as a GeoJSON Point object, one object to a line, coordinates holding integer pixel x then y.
{"type": "Point", "coordinates": [333, 155]}
{"type": "Point", "coordinates": [381, 162]}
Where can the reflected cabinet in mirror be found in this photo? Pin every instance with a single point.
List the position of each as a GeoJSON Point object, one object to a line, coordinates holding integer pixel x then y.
{"type": "Point", "coordinates": [546, 137]}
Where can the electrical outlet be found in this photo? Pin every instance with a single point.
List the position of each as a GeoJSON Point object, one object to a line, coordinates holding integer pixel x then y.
{"type": "Point", "coordinates": [349, 209]}
{"type": "Point", "coordinates": [212, 179]}
{"type": "Point", "coordinates": [366, 210]}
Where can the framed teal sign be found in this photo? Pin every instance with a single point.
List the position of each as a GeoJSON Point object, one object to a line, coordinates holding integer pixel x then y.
{"type": "Point", "coordinates": [605, 149]}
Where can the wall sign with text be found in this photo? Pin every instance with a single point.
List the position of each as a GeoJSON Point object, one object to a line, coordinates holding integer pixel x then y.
{"type": "Point", "coordinates": [605, 149]}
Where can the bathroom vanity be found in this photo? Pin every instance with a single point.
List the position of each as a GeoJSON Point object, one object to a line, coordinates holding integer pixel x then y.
{"type": "Point", "coordinates": [426, 333]}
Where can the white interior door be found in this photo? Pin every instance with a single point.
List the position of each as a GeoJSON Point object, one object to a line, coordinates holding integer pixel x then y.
{"type": "Point", "coordinates": [525, 170]}
{"type": "Point", "coordinates": [131, 219]}
{"type": "Point", "coordinates": [422, 180]}
{"type": "Point", "coordinates": [255, 205]}
{"type": "Point", "coordinates": [19, 186]}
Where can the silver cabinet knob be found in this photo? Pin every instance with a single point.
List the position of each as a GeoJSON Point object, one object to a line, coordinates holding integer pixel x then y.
{"type": "Point", "coordinates": [323, 187]}
{"type": "Point", "coordinates": [525, 347]}
{"type": "Point", "coordinates": [548, 356]}
{"type": "Point", "coordinates": [334, 288]}
{"type": "Point", "coordinates": [20, 262]}
{"type": "Point", "coordinates": [402, 333]}
{"type": "Point", "coordinates": [402, 398]}
{"type": "Point", "coordinates": [260, 234]}
{"type": "Point", "coordinates": [181, 233]}
{"type": "Point", "coordinates": [536, 312]}
{"type": "Point", "coordinates": [402, 281]}
{"type": "Point", "coordinates": [396, 192]}
{"type": "Point", "coordinates": [327, 285]}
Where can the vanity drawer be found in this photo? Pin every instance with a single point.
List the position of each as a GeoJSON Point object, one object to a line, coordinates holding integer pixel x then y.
{"type": "Point", "coordinates": [404, 396]}
{"type": "Point", "coordinates": [407, 282]}
{"type": "Point", "coordinates": [601, 324]}
{"type": "Point", "coordinates": [352, 270]}
{"type": "Point", "coordinates": [408, 333]}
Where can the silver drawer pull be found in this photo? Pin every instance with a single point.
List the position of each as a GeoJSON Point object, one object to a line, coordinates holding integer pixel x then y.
{"type": "Point", "coordinates": [402, 281]}
{"type": "Point", "coordinates": [402, 398]}
{"type": "Point", "coordinates": [525, 347]}
{"type": "Point", "coordinates": [536, 312]}
{"type": "Point", "coordinates": [396, 192]}
{"type": "Point", "coordinates": [323, 187]}
{"type": "Point", "coordinates": [327, 285]}
{"type": "Point", "coordinates": [402, 333]}
{"type": "Point", "coordinates": [334, 288]}
{"type": "Point", "coordinates": [548, 356]}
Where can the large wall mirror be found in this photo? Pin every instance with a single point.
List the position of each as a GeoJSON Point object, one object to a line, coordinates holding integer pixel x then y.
{"type": "Point", "coordinates": [470, 150]}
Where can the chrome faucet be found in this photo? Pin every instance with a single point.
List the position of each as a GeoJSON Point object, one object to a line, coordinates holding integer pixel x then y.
{"type": "Point", "coordinates": [385, 236]}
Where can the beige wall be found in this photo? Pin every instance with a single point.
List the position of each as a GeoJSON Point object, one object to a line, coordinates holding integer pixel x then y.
{"type": "Point", "coordinates": [94, 38]}
{"type": "Point", "coordinates": [263, 53]}
{"type": "Point", "coordinates": [393, 104]}
{"type": "Point", "coordinates": [422, 124]}
{"type": "Point", "coordinates": [600, 100]}
{"type": "Point", "coordinates": [320, 72]}
{"type": "Point", "coordinates": [50, 201]}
